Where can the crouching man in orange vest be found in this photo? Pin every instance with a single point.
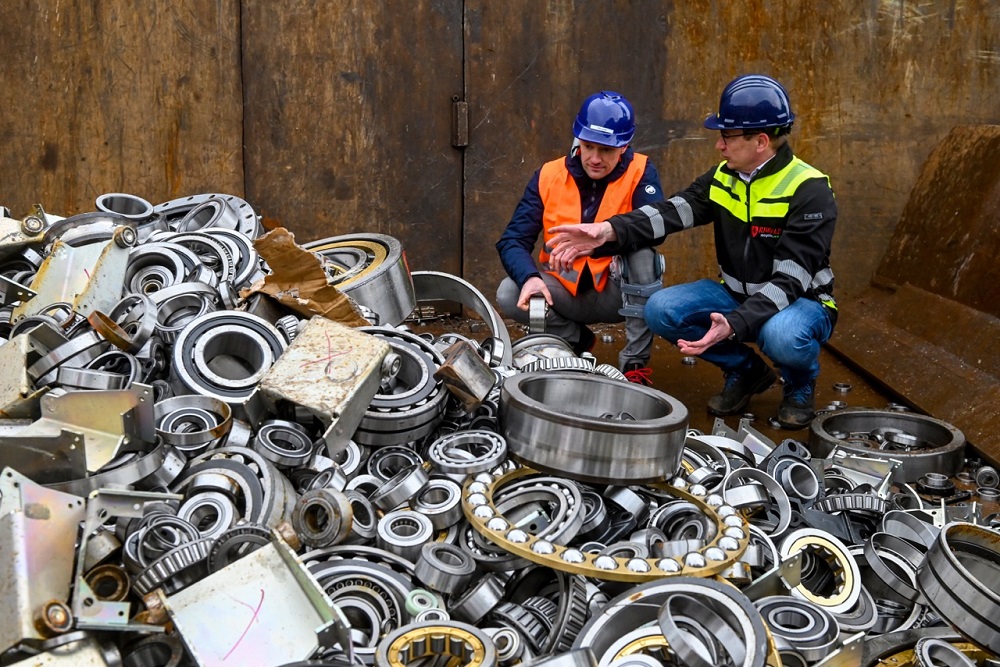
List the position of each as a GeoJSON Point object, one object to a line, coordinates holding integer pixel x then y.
{"type": "Point", "coordinates": [601, 177]}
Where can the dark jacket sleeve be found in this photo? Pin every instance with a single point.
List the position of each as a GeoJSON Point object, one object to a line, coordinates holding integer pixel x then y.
{"type": "Point", "coordinates": [517, 243]}
{"type": "Point", "coordinates": [650, 223]}
{"type": "Point", "coordinates": [649, 190]}
{"type": "Point", "coordinates": [802, 251]}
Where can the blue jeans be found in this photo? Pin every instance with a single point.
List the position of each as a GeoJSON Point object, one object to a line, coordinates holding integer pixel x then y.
{"type": "Point", "coordinates": [791, 338]}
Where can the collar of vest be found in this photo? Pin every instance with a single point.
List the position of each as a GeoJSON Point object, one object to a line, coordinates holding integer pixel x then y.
{"type": "Point", "coordinates": [575, 167]}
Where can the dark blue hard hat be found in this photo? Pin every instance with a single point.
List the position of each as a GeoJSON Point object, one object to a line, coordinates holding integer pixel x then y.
{"type": "Point", "coordinates": [751, 102]}
{"type": "Point", "coordinates": [605, 118]}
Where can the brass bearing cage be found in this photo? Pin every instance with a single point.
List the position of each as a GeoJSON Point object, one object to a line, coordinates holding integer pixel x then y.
{"type": "Point", "coordinates": [371, 253]}
{"type": "Point", "coordinates": [731, 537]}
{"type": "Point", "coordinates": [843, 566]}
{"type": "Point", "coordinates": [464, 644]}
{"type": "Point", "coordinates": [908, 658]}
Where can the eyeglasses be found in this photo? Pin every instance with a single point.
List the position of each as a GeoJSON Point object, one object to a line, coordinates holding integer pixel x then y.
{"type": "Point", "coordinates": [727, 137]}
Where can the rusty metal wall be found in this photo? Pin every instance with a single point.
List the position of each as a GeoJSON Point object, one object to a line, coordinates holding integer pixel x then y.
{"type": "Point", "coordinates": [875, 85]}
{"type": "Point", "coordinates": [336, 117]}
{"type": "Point", "coordinates": [139, 97]}
{"type": "Point", "coordinates": [348, 120]}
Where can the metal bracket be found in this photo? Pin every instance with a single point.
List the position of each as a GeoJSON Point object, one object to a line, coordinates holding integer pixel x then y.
{"type": "Point", "coordinates": [91, 612]}
{"type": "Point", "coordinates": [779, 581]}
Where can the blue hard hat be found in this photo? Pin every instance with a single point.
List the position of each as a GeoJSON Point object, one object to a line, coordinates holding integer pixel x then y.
{"type": "Point", "coordinates": [750, 102]}
{"type": "Point", "coordinates": [605, 118]}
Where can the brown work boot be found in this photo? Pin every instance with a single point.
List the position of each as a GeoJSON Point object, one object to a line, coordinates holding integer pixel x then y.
{"type": "Point", "coordinates": [797, 406]}
{"type": "Point", "coordinates": [740, 386]}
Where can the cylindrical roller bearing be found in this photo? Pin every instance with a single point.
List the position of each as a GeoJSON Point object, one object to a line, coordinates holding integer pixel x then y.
{"type": "Point", "coordinates": [450, 639]}
{"type": "Point", "coordinates": [211, 513]}
{"type": "Point", "coordinates": [828, 550]}
{"type": "Point", "coordinates": [404, 533]}
{"type": "Point", "coordinates": [284, 443]}
{"type": "Point", "coordinates": [403, 486]}
{"type": "Point", "coordinates": [365, 518]}
{"type": "Point", "coordinates": [478, 600]}
{"type": "Point", "coordinates": [225, 354]}
{"type": "Point", "coordinates": [555, 422]}
{"type": "Point", "coordinates": [440, 501]}
{"type": "Point", "coordinates": [467, 452]}
{"type": "Point", "coordinates": [799, 626]}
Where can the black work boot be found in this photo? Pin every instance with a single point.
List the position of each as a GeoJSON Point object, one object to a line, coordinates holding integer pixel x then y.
{"type": "Point", "coordinates": [740, 386]}
{"type": "Point", "coordinates": [797, 406]}
{"type": "Point", "coordinates": [586, 342]}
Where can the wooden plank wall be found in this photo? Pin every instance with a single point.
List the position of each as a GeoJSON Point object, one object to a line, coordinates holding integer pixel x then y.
{"type": "Point", "coordinates": [335, 117]}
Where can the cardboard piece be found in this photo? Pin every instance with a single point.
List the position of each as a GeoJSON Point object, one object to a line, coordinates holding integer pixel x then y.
{"type": "Point", "coordinates": [298, 281]}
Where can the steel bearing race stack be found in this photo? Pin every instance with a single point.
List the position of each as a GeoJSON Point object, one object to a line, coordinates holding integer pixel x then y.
{"type": "Point", "coordinates": [958, 578]}
{"type": "Point", "coordinates": [414, 407]}
{"type": "Point", "coordinates": [558, 422]}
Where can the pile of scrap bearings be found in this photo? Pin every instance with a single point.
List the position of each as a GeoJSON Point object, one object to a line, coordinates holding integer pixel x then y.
{"type": "Point", "coordinates": [195, 472]}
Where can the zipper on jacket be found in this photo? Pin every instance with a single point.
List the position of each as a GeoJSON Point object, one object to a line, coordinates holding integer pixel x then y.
{"type": "Point", "coordinates": [746, 245]}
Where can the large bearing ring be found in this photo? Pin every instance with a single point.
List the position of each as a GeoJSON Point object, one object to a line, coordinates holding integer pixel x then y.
{"type": "Point", "coordinates": [557, 422]}
{"type": "Point", "coordinates": [959, 577]}
{"type": "Point", "coordinates": [940, 447]}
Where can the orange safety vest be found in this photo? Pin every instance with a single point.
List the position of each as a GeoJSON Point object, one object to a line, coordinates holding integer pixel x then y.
{"type": "Point", "coordinates": [561, 199]}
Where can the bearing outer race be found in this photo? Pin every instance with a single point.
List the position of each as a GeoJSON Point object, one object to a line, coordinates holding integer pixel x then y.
{"type": "Point", "coordinates": [440, 576]}
{"type": "Point", "coordinates": [954, 593]}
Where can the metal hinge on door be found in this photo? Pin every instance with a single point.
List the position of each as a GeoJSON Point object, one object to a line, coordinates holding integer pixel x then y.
{"type": "Point", "coordinates": [459, 122]}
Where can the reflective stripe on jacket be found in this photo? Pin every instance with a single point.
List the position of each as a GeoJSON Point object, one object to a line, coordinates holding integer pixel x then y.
{"type": "Point", "coordinates": [561, 196]}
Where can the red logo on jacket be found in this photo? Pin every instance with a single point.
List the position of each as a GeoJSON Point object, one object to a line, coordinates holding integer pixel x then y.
{"type": "Point", "coordinates": [765, 232]}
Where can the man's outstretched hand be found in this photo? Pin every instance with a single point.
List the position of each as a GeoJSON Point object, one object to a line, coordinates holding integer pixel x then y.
{"type": "Point", "coordinates": [718, 332]}
{"type": "Point", "coordinates": [572, 241]}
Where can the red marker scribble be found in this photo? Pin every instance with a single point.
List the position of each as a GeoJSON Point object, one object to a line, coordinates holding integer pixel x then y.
{"type": "Point", "coordinates": [330, 355]}
{"type": "Point", "coordinates": [88, 273]}
{"type": "Point", "coordinates": [252, 619]}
